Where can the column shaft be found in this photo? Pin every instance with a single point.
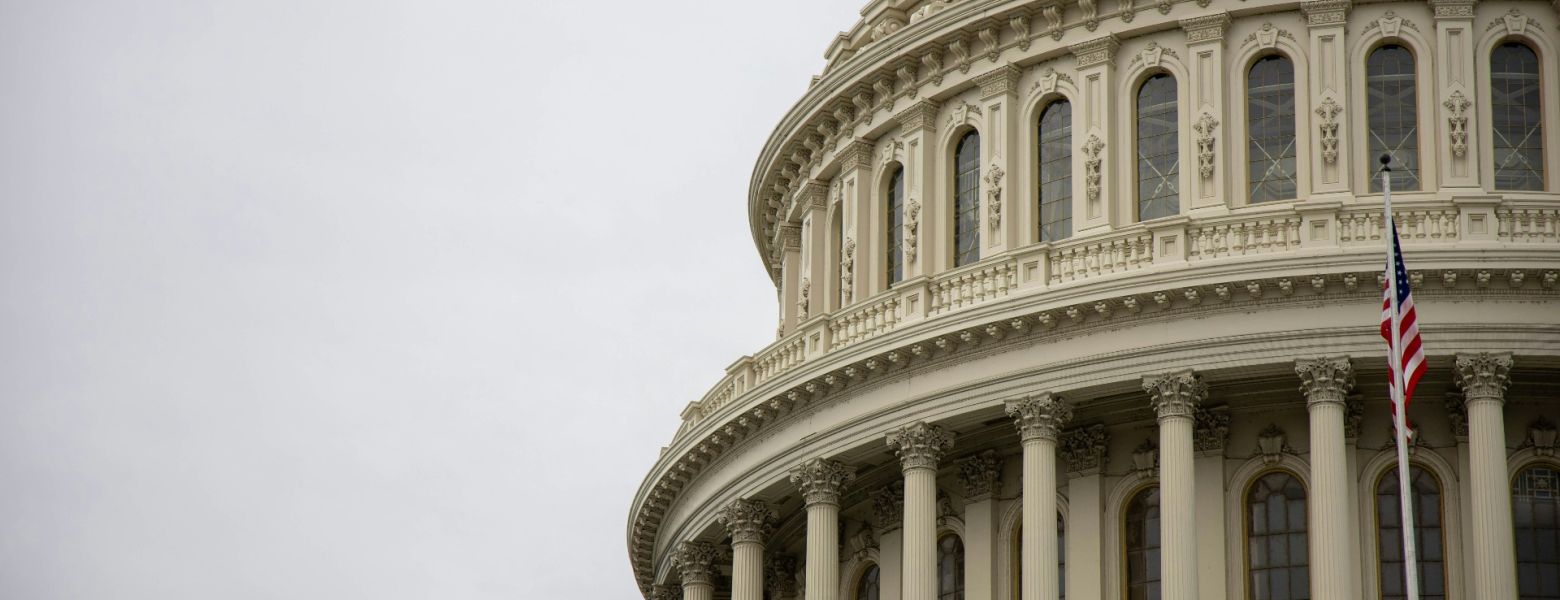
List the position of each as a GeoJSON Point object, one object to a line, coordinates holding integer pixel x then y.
{"type": "Point", "coordinates": [698, 591]}
{"type": "Point", "coordinates": [747, 571]}
{"type": "Point", "coordinates": [1329, 504]}
{"type": "Point", "coordinates": [1494, 557]}
{"type": "Point", "coordinates": [1040, 581]}
{"type": "Point", "coordinates": [920, 542]}
{"type": "Point", "coordinates": [823, 559]}
{"type": "Point", "coordinates": [1178, 538]}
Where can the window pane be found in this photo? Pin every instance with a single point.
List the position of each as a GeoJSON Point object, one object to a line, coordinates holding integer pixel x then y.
{"type": "Point", "coordinates": [966, 232]}
{"type": "Point", "coordinates": [950, 568]}
{"type": "Point", "coordinates": [1278, 572]}
{"type": "Point", "coordinates": [1270, 114]}
{"type": "Point", "coordinates": [1142, 547]}
{"type": "Point", "coordinates": [1426, 503]}
{"type": "Point", "coordinates": [896, 227]}
{"type": "Point", "coordinates": [1535, 499]}
{"type": "Point", "coordinates": [1516, 109]}
{"type": "Point", "coordinates": [1392, 115]}
{"type": "Point", "coordinates": [1158, 152]}
{"type": "Point", "coordinates": [1055, 157]}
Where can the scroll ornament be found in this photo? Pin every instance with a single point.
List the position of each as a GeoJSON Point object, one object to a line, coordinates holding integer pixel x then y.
{"type": "Point", "coordinates": [1457, 123]}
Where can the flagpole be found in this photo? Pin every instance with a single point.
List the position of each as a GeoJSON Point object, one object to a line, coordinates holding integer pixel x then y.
{"type": "Point", "coordinates": [1400, 411]}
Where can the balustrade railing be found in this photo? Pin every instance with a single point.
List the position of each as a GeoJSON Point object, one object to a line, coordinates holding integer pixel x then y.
{"type": "Point", "coordinates": [1414, 225]}
{"type": "Point", "coordinates": [972, 285]}
{"type": "Point", "coordinates": [1528, 224]}
{"type": "Point", "coordinates": [864, 322]}
{"type": "Point", "coordinates": [1242, 238]}
{"type": "Point", "coordinates": [778, 358]}
{"type": "Point", "coordinates": [1115, 253]}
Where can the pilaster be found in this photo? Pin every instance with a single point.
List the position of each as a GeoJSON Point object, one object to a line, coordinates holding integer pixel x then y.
{"type": "Point", "coordinates": [1455, 92]}
{"type": "Point", "coordinates": [980, 476]}
{"type": "Point", "coordinates": [856, 191]}
{"type": "Point", "coordinates": [1205, 44]}
{"type": "Point", "coordinates": [1001, 138]}
{"type": "Point", "coordinates": [1095, 155]}
{"type": "Point", "coordinates": [1329, 96]}
{"type": "Point", "coordinates": [788, 243]}
{"type": "Point", "coordinates": [917, 130]}
{"type": "Point", "coordinates": [1084, 450]}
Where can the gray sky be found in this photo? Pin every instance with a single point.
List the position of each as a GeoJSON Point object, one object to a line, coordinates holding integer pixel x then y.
{"type": "Point", "coordinates": [305, 299]}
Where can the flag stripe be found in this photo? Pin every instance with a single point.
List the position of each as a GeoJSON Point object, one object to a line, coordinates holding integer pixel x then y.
{"type": "Point", "coordinates": [1410, 350]}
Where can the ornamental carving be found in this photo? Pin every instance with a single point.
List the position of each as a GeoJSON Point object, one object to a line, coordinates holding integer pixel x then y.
{"type": "Point", "coordinates": [886, 27]}
{"type": "Point", "coordinates": [961, 54]}
{"type": "Point", "coordinates": [821, 480]}
{"type": "Point", "coordinates": [862, 542]}
{"type": "Point", "coordinates": [993, 179]}
{"type": "Point", "coordinates": [1175, 394]}
{"type": "Point", "coordinates": [933, 62]}
{"type": "Point", "coordinates": [1097, 51]}
{"type": "Point", "coordinates": [1325, 379]}
{"type": "Point", "coordinates": [912, 228]}
{"type": "Point", "coordinates": [1457, 122]}
{"type": "Point", "coordinates": [1483, 376]}
{"type": "Point", "coordinates": [1328, 111]}
{"type": "Point", "coordinates": [1145, 458]}
{"type": "Point", "coordinates": [847, 270]}
{"type": "Point", "coordinates": [1452, 9]}
{"type": "Point", "coordinates": [1322, 13]}
{"type": "Point", "coordinates": [920, 445]}
{"type": "Point", "coordinates": [980, 476]}
{"type": "Point", "coordinates": [746, 520]}
{"type": "Point", "coordinates": [1053, 15]}
{"type": "Point", "coordinates": [999, 81]}
{"type": "Point", "coordinates": [1271, 444]}
{"type": "Point", "coordinates": [802, 300]}
{"type": "Point", "coordinates": [1457, 415]}
{"type": "Point", "coordinates": [1516, 23]}
{"type": "Point", "coordinates": [1126, 10]}
{"type": "Point", "coordinates": [1353, 415]}
{"type": "Point", "coordinates": [695, 562]}
{"type": "Point", "coordinates": [888, 507]}
{"type": "Point", "coordinates": [666, 592]}
{"type": "Point", "coordinates": [1153, 54]}
{"type": "Point", "coordinates": [1207, 28]}
{"type": "Point", "coordinates": [988, 37]}
{"type": "Point", "coordinates": [1391, 24]}
{"type": "Point", "coordinates": [1267, 36]}
{"type": "Point", "coordinates": [1091, 166]}
{"type": "Point", "coordinates": [906, 76]}
{"type": "Point", "coordinates": [1091, 14]}
{"type": "Point", "coordinates": [1039, 416]}
{"type": "Point", "coordinates": [1541, 437]}
{"type": "Point", "coordinates": [780, 575]}
{"type": "Point", "coordinates": [1211, 429]}
{"type": "Point", "coordinates": [884, 88]}
{"type": "Point", "coordinates": [961, 113]}
{"type": "Point", "coordinates": [891, 151]}
{"type": "Point", "coordinates": [1204, 128]}
{"type": "Point", "coordinates": [1084, 448]}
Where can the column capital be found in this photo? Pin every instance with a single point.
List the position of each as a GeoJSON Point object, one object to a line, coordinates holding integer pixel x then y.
{"type": "Point", "coordinates": [857, 154]}
{"type": "Point", "coordinates": [1209, 28]}
{"type": "Point", "coordinates": [780, 575]}
{"type": "Point", "coordinates": [1096, 51]}
{"type": "Point", "coordinates": [1039, 416]}
{"type": "Point", "coordinates": [821, 480]}
{"type": "Point", "coordinates": [1484, 376]}
{"type": "Point", "coordinates": [1084, 448]}
{"type": "Point", "coordinates": [1211, 430]}
{"type": "Point", "coordinates": [746, 520]}
{"type": "Point", "coordinates": [1175, 394]}
{"type": "Point", "coordinates": [888, 507]}
{"type": "Point", "coordinates": [1325, 380]}
{"type": "Point", "coordinates": [1326, 13]}
{"type": "Point", "coordinates": [920, 445]}
{"type": "Point", "coordinates": [921, 115]}
{"type": "Point", "coordinates": [981, 476]}
{"type": "Point", "coordinates": [695, 561]}
{"type": "Point", "coordinates": [1461, 10]}
{"type": "Point", "coordinates": [999, 81]}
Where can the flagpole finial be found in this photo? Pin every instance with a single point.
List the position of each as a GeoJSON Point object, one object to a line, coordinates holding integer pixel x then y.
{"type": "Point", "coordinates": [1386, 162]}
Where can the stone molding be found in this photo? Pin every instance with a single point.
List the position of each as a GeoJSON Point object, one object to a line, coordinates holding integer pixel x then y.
{"type": "Point", "coordinates": [920, 445]}
{"type": "Point", "coordinates": [696, 562]}
{"type": "Point", "coordinates": [980, 476]}
{"type": "Point", "coordinates": [822, 480]}
{"type": "Point", "coordinates": [1000, 81]}
{"type": "Point", "coordinates": [747, 521]}
{"type": "Point", "coordinates": [1096, 51]}
{"type": "Point", "coordinates": [1326, 13]}
{"type": "Point", "coordinates": [1209, 28]}
{"type": "Point", "coordinates": [1324, 380]}
{"type": "Point", "coordinates": [1039, 416]}
{"type": "Point", "coordinates": [1483, 376]}
{"type": "Point", "coordinates": [1175, 394]}
{"type": "Point", "coordinates": [919, 116]}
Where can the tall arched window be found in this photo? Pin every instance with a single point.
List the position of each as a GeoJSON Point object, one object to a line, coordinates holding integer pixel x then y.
{"type": "Point", "coordinates": [1392, 116]}
{"type": "Point", "coordinates": [1061, 558]}
{"type": "Point", "coordinates": [894, 262]}
{"type": "Point", "coordinates": [867, 585]}
{"type": "Point", "coordinates": [1516, 109]}
{"type": "Point", "coordinates": [1276, 551]}
{"type": "Point", "coordinates": [1270, 129]}
{"type": "Point", "coordinates": [966, 231]}
{"type": "Point", "coordinates": [1535, 504]}
{"type": "Point", "coordinates": [1055, 158]}
{"type": "Point", "coordinates": [1142, 545]}
{"type": "Point", "coordinates": [1426, 502]}
{"type": "Point", "coordinates": [950, 568]}
{"type": "Point", "coordinates": [1158, 149]}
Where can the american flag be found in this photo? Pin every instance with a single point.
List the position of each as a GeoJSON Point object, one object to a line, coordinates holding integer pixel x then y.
{"type": "Point", "coordinates": [1410, 353]}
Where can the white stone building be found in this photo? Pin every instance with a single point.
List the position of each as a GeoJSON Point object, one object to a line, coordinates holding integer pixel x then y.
{"type": "Point", "coordinates": [1117, 264]}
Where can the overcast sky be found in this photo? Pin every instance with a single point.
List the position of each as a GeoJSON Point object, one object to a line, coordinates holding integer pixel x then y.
{"type": "Point", "coordinates": [374, 299]}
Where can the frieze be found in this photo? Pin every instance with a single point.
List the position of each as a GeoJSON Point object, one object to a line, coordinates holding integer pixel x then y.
{"type": "Point", "coordinates": [1452, 9]}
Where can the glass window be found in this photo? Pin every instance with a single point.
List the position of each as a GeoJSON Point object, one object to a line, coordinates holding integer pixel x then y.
{"type": "Point", "coordinates": [1158, 153]}
{"type": "Point", "coordinates": [896, 227]}
{"type": "Point", "coordinates": [1142, 545]}
{"type": "Point", "coordinates": [1392, 115]}
{"type": "Point", "coordinates": [1535, 504]}
{"type": "Point", "coordinates": [867, 586]}
{"type": "Point", "coordinates": [1516, 109]}
{"type": "Point", "coordinates": [1055, 158]}
{"type": "Point", "coordinates": [1276, 552]}
{"type": "Point", "coordinates": [1270, 129]}
{"type": "Point", "coordinates": [1426, 503]}
{"type": "Point", "coordinates": [1061, 558]}
{"type": "Point", "coordinates": [950, 568]}
{"type": "Point", "coordinates": [966, 232]}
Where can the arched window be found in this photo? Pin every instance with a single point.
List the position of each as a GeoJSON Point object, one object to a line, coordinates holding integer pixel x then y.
{"type": "Point", "coordinates": [966, 231]}
{"type": "Point", "coordinates": [1516, 109]}
{"type": "Point", "coordinates": [1535, 504]}
{"type": "Point", "coordinates": [1158, 149]}
{"type": "Point", "coordinates": [1392, 115]}
{"type": "Point", "coordinates": [1142, 545]}
{"type": "Point", "coordinates": [950, 568]}
{"type": "Point", "coordinates": [1270, 129]}
{"type": "Point", "coordinates": [1055, 158]}
{"type": "Point", "coordinates": [1276, 551]}
{"type": "Point", "coordinates": [896, 227]}
{"type": "Point", "coordinates": [1061, 558]}
{"type": "Point", "coordinates": [1426, 503]}
{"type": "Point", "coordinates": [867, 585]}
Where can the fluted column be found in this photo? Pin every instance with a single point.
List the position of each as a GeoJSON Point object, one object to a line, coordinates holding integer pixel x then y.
{"type": "Point", "coordinates": [821, 482]}
{"type": "Point", "coordinates": [1039, 419]}
{"type": "Point", "coordinates": [920, 446]}
{"type": "Point", "coordinates": [1326, 383]}
{"type": "Point", "coordinates": [695, 561]}
{"type": "Point", "coordinates": [1483, 378]}
{"type": "Point", "coordinates": [748, 522]}
{"type": "Point", "coordinates": [1174, 398]}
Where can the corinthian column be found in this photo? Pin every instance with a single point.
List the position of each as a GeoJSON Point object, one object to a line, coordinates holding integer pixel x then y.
{"type": "Point", "coordinates": [747, 521]}
{"type": "Point", "coordinates": [821, 482]}
{"type": "Point", "coordinates": [1039, 419]}
{"type": "Point", "coordinates": [920, 446]}
{"type": "Point", "coordinates": [1326, 383]}
{"type": "Point", "coordinates": [1483, 378]}
{"type": "Point", "coordinates": [696, 563]}
{"type": "Point", "coordinates": [1174, 398]}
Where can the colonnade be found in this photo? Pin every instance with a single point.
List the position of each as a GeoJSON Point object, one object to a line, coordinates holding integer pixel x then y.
{"type": "Point", "coordinates": [1176, 398]}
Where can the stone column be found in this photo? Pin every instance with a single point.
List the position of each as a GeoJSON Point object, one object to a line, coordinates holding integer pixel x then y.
{"type": "Point", "coordinates": [1174, 398]}
{"type": "Point", "coordinates": [1329, 98]}
{"type": "Point", "coordinates": [1039, 419]}
{"type": "Point", "coordinates": [821, 482]}
{"type": "Point", "coordinates": [696, 563]}
{"type": "Point", "coordinates": [1483, 378]}
{"type": "Point", "coordinates": [1084, 450]}
{"type": "Point", "coordinates": [980, 476]}
{"type": "Point", "coordinates": [920, 446]}
{"type": "Point", "coordinates": [1326, 383]}
{"type": "Point", "coordinates": [748, 522]}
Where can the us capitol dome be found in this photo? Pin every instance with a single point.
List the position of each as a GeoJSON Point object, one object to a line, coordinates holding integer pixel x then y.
{"type": "Point", "coordinates": [1081, 299]}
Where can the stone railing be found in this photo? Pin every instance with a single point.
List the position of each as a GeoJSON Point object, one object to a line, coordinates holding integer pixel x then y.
{"type": "Point", "coordinates": [1365, 226]}
{"type": "Point", "coordinates": [1091, 257]}
{"type": "Point", "coordinates": [877, 316]}
{"type": "Point", "coordinates": [1519, 224]}
{"type": "Point", "coordinates": [779, 358]}
{"type": "Point", "coordinates": [1244, 237]}
{"type": "Point", "coordinates": [972, 285]}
